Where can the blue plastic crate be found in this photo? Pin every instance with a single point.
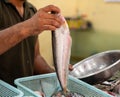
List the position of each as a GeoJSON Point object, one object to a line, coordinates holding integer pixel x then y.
{"type": "Point", "coordinates": [7, 90]}
{"type": "Point", "coordinates": [48, 83]}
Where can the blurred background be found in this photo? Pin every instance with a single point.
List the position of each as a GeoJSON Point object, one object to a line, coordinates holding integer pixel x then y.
{"type": "Point", "coordinates": [94, 27]}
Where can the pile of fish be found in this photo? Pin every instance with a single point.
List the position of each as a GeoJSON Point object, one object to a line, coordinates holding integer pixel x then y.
{"type": "Point", "coordinates": [69, 94]}
{"type": "Point", "coordinates": [61, 43]}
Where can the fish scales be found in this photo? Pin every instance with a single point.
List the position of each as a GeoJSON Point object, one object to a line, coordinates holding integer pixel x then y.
{"type": "Point", "coordinates": [61, 42]}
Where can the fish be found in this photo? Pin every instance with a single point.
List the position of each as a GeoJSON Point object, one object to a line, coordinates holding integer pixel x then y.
{"type": "Point", "coordinates": [69, 94]}
{"type": "Point", "coordinates": [39, 93]}
{"type": "Point", "coordinates": [61, 45]}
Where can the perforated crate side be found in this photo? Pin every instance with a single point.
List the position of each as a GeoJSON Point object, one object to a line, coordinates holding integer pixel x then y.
{"type": "Point", "coordinates": [48, 83]}
{"type": "Point", "coordinates": [7, 90]}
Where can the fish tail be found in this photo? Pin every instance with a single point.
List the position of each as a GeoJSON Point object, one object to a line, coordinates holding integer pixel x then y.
{"type": "Point", "coordinates": [65, 91]}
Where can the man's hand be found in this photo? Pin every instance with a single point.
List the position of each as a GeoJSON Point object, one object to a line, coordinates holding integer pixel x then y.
{"type": "Point", "coordinates": [44, 20]}
{"type": "Point", "coordinates": [70, 67]}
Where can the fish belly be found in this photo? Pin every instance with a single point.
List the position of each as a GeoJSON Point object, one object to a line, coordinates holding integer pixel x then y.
{"type": "Point", "coordinates": [61, 53]}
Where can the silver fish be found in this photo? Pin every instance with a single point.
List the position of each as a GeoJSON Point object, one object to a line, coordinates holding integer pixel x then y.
{"type": "Point", "coordinates": [61, 43]}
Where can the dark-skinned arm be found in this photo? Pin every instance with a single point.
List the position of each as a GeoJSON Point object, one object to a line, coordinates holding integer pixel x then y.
{"type": "Point", "coordinates": [41, 21]}
{"type": "Point", "coordinates": [40, 65]}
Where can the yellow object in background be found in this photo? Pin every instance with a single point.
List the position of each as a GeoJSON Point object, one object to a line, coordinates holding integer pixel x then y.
{"type": "Point", "coordinates": [78, 23]}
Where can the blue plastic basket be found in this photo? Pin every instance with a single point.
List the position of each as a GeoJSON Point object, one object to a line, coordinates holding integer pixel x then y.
{"type": "Point", "coordinates": [48, 83]}
{"type": "Point", "coordinates": [7, 90]}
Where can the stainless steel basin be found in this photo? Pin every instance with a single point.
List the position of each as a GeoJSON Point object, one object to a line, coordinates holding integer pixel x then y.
{"type": "Point", "coordinates": [97, 68]}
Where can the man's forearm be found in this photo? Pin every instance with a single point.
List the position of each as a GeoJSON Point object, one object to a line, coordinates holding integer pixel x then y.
{"type": "Point", "coordinates": [41, 67]}
{"type": "Point", "coordinates": [13, 35]}
{"type": "Point", "coordinates": [39, 22]}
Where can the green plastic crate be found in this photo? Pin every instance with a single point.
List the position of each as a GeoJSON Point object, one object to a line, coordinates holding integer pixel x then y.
{"type": "Point", "coordinates": [7, 90]}
{"type": "Point", "coordinates": [48, 83]}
